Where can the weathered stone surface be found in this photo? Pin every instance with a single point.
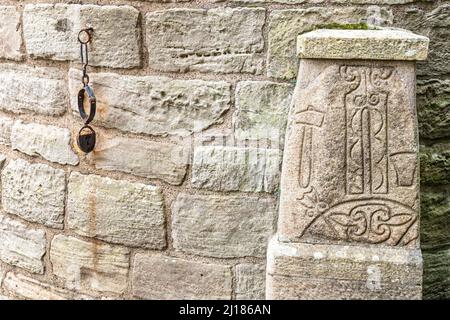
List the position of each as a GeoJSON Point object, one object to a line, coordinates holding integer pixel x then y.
{"type": "Point", "coordinates": [250, 281]}
{"type": "Point", "coordinates": [31, 89]}
{"type": "Point", "coordinates": [116, 211]}
{"type": "Point", "coordinates": [154, 105]}
{"type": "Point", "coordinates": [50, 142]}
{"type": "Point", "coordinates": [226, 40]}
{"type": "Point", "coordinates": [90, 265]}
{"type": "Point", "coordinates": [380, 44]}
{"type": "Point", "coordinates": [435, 219]}
{"type": "Point", "coordinates": [316, 271]}
{"type": "Point", "coordinates": [34, 192]}
{"type": "Point", "coordinates": [329, 1]}
{"type": "Point", "coordinates": [51, 30]}
{"type": "Point", "coordinates": [2, 160]}
{"type": "Point", "coordinates": [286, 25]}
{"type": "Point", "coordinates": [10, 33]}
{"type": "Point", "coordinates": [350, 165]}
{"type": "Point", "coordinates": [20, 245]}
{"type": "Point", "coordinates": [236, 169]}
{"type": "Point", "coordinates": [25, 287]}
{"type": "Point", "coordinates": [162, 277]}
{"type": "Point", "coordinates": [434, 24]}
{"type": "Point", "coordinates": [221, 225]}
{"type": "Point", "coordinates": [5, 130]}
{"type": "Point", "coordinates": [436, 275]}
{"type": "Point", "coordinates": [433, 108]}
{"type": "Point", "coordinates": [261, 110]}
{"type": "Point", "coordinates": [144, 158]}
{"type": "Point", "coordinates": [435, 164]}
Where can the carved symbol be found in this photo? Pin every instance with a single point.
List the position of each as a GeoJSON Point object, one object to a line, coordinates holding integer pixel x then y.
{"type": "Point", "coordinates": [366, 107]}
{"type": "Point", "coordinates": [363, 220]}
{"type": "Point", "coordinates": [405, 164]}
{"type": "Point", "coordinates": [310, 118]}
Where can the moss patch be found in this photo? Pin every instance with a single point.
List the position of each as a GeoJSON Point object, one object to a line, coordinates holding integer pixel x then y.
{"type": "Point", "coordinates": [343, 26]}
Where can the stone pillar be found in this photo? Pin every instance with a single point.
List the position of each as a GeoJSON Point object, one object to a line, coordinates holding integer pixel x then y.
{"type": "Point", "coordinates": [348, 223]}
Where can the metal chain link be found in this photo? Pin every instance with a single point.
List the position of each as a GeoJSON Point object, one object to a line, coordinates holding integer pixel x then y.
{"type": "Point", "coordinates": [86, 137]}
{"type": "Point", "coordinates": [84, 52]}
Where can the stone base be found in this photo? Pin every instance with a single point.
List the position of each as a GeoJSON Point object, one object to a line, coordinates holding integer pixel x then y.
{"type": "Point", "coordinates": [318, 271]}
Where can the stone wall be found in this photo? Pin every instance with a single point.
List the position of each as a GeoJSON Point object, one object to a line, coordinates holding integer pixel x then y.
{"type": "Point", "coordinates": [179, 198]}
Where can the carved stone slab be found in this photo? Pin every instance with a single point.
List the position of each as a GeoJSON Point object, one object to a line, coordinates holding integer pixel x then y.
{"type": "Point", "coordinates": [350, 165]}
{"type": "Point", "coordinates": [348, 225]}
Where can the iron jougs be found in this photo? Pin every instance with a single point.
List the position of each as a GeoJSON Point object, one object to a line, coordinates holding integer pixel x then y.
{"type": "Point", "coordinates": [86, 136]}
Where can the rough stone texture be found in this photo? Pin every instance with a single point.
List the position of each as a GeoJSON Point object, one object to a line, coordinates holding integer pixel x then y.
{"type": "Point", "coordinates": [286, 25]}
{"type": "Point", "coordinates": [261, 110]}
{"type": "Point", "coordinates": [162, 277]}
{"type": "Point", "coordinates": [51, 30]}
{"type": "Point", "coordinates": [433, 108]}
{"type": "Point", "coordinates": [2, 160]}
{"type": "Point", "coordinates": [434, 24]}
{"type": "Point", "coordinates": [30, 89]}
{"type": "Point", "coordinates": [34, 192]}
{"type": "Point", "coordinates": [436, 275]}
{"type": "Point", "coordinates": [236, 169]}
{"type": "Point", "coordinates": [435, 219]}
{"type": "Point", "coordinates": [10, 33]}
{"type": "Point", "coordinates": [116, 211]}
{"type": "Point", "coordinates": [435, 164]}
{"type": "Point", "coordinates": [383, 44]}
{"type": "Point", "coordinates": [90, 265]}
{"type": "Point", "coordinates": [226, 40]}
{"type": "Point", "coordinates": [5, 130]}
{"type": "Point", "coordinates": [350, 165]}
{"type": "Point", "coordinates": [154, 105]}
{"type": "Point", "coordinates": [329, 1]}
{"type": "Point", "coordinates": [25, 287]}
{"type": "Point", "coordinates": [21, 246]}
{"type": "Point", "coordinates": [50, 142]}
{"type": "Point", "coordinates": [144, 158]}
{"type": "Point", "coordinates": [222, 226]}
{"type": "Point", "coordinates": [250, 281]}
{"type": "Point", "coordinates": [302, 271]}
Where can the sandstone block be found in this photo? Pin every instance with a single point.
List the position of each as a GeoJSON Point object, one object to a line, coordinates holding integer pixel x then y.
{"type": "Point", "coordinates": [433, 108]}
{"type": "Point", "coordinates": [90, 265]}
{"type": "Point", "coordinates": [378, 44]}
{"type": "Point", "coordinates": [50, 142]}
{"type": "Point", "coordinates": [21, 246]}
{"type": "Point", "coordinates": [51, 31]}
{"type": "Point", "coordinates": [226, 40]}
{"type": "Point", "coordinates": [222, 226]}
{"type": "Point", "coordinates": [250, 281]}
{"type": "Point", "coordinates": [261, 110]}
{"type": "Point", "coordinates": [27, 89]}
{"type": "Point", "coordinates": [162, 277]}
{"type": "Point", "coordinates": [154, 105]}
{"type": "Point", "coordinates": [236, 169]}
{"type": "Point", "coordinates": [286, 25]}
{"type": "Point", "coordinates": [435, 164]}
{"type": "Point", "coordinates": [158, 160]}
{"type": "Point", "coordinates": [316, 271]}
{"type": "Point", "coordinates": [10, 33]}
{"type": "Point", "coordinates": [333, 187]}
{"type": "Point", "coordinates": [28, 288]}
{"type": "Point", "coordinates": [116, 211]}
{"type": "Point", "coordinates": [35, 192]}
{"type": "Point", "coordinates": [5, 130]}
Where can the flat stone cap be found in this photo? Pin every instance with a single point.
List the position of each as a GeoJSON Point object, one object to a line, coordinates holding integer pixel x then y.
{"type": "Point", "coordinates": [377, 44]}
